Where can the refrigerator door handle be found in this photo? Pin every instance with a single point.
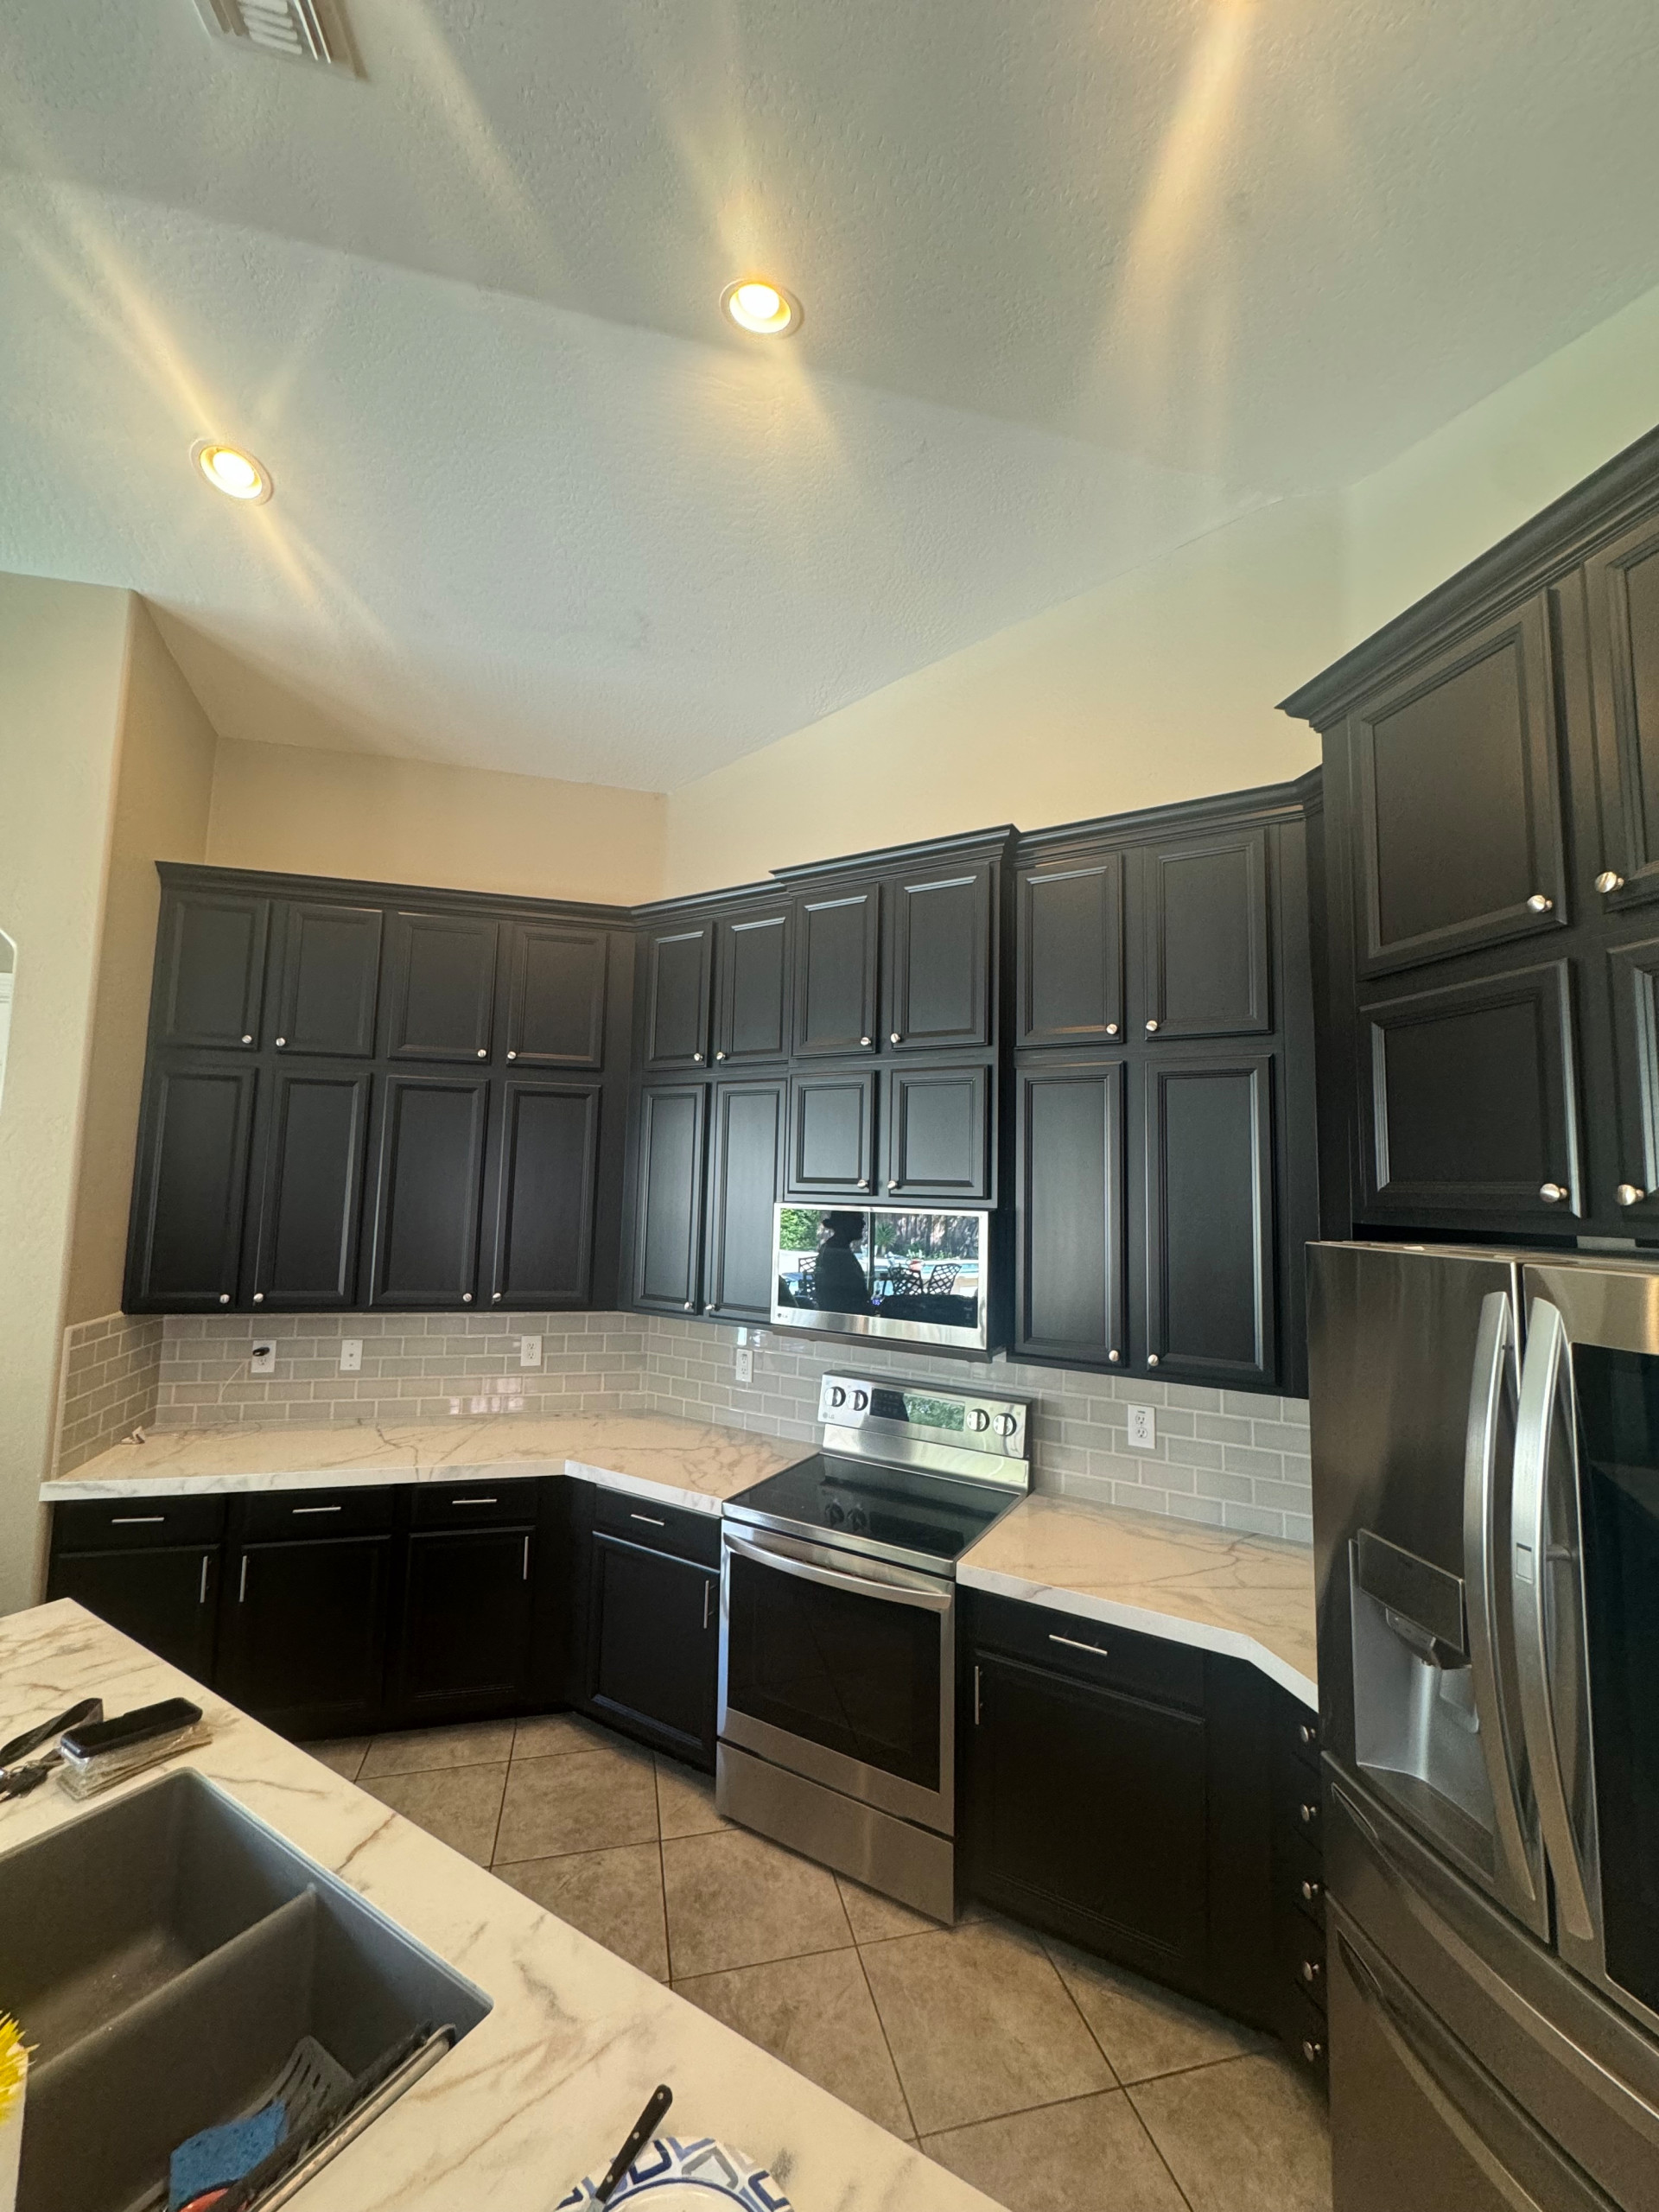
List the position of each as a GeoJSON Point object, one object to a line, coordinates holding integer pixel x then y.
{"type": "Point", "coordinates": [1494, 1361]}
{"type": "Point", "coordinates": [1541, 1384]}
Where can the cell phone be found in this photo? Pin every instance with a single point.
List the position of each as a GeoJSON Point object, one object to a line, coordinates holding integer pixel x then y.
{"type": "Point", "coordinates": [137, 1726]}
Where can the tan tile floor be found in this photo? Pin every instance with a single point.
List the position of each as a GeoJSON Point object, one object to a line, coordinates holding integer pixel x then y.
{"type": "Point", "coordinates": [1053, 2082]}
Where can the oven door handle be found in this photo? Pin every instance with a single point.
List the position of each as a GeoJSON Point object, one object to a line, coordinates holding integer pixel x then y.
{"type": "Point", "coordinates": [929, 1601]}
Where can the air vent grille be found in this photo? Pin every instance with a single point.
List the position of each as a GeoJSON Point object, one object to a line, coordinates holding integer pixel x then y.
{"type": "Point", "coordinates": [304, 30]}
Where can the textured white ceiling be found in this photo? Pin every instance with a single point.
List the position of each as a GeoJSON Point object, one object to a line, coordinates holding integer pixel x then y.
{"type": "Point", "coordinates": [1080, 283]}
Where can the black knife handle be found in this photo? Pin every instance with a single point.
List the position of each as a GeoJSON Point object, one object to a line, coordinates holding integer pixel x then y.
{"type": "Point", "coordinates": [660, 2098]}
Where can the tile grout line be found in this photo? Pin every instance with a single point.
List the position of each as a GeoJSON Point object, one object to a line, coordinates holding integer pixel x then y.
{"type": "Point", "coordinates": [662, 1867]}
{"type": "Point", "coordinates": [1088, 2028]}
{"type": "Point", "coordinates": [887, 2041]}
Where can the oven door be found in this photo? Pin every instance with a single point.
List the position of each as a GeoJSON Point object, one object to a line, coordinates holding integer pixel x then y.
{"type": "Point", "coordinates": [841, 1669]}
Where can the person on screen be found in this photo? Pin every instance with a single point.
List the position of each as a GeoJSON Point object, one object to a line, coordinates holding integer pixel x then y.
{"type": "Point", "coordinates": [840, 1284]}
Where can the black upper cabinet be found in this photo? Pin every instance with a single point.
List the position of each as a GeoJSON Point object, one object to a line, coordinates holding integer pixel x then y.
{"type": "Point", "coordinates": [1205, 906]}
{"type": "Point", "coordinates": [546, 1191]}
{"type": "Point", "coordinates": [1069, 1260]}
{"type": "Point", "coordinates": [668, 1203]}
{"type": "Point", "coordinates": [429, 1141]}
{"type": "Point", "coordinates": [1633, 983]}
{"type": "Point", "coordinates": [440, 986]}
{"type": "Point", "coordinates": [832, 1133]}
{"type": "Point", "coordinates": [1212, 1238]}
{"type": "Point", "coordinates": [554, 994]}
{"type": "Point", "coordinates": [210, 967]}
{"type": "Point", "coordinates": [938, 1133]}
{"type": "Point", "coordinates": [189, 1194]}
{"type": "Point", "coordinates": [678, 964]}
{"type": "Point", "coordinates": [328, 979]}
{"type": "Point", "coordinates": [463, 1648]}
{"type": "Point", "coordinates": [1623, 582]}
{"type": "Point", "coordinates": [745, 1182]}
{"type": "Point", "coordinates": [310, 1203]}
{"type": "Point", "coordinates": [751, 987]}
{"type": "Point", "coordinates": [939, 958]}
{"type": "Point", "coordinates": [837, 936]}
{"type": "Point", "coordinates": [1070, 961]}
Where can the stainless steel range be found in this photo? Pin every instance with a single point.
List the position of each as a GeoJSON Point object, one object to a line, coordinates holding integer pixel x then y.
{"type": "Point", "coordinates": [838, 1630]}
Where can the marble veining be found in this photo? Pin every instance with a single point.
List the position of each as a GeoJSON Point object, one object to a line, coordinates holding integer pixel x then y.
{"type": "Point", "coordinates": [545, 2088]}
{"type": "Point", "coordinates": [1250, 1597]}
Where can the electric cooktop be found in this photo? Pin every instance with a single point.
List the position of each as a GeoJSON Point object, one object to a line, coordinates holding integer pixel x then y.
{"type": "Point", "coordinates": [907, 1514]}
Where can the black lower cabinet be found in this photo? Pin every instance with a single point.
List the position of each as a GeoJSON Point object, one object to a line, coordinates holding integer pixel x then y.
{"type": "Point", "coordinates": [464, 1636]}
{"type": "Point", "coordinates": [164, 1597]}
{"type": "Point", "coordinates": [653, 1646]}
{"type": "Point", "coordinates": [303, 1646]}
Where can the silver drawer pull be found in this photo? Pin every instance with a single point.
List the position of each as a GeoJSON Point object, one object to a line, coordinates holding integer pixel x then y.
{"type": "Point", "coordinates": [202, 1593]}
{"type": "Point", "coordinates": [316, 1509]}
{"type": "Point", "coordinates": [241, 1582]}
{"type": "Point", "coordinates": [475, 1501]}
{"type": "Point", "coordinates": [650, 1519]}
{"type": "Point", "coordinates": [526, 1559]}
{"type": "Point", "coordinates": [1073, 1644]}
{"type": "Point", "coordinates": [137, 1520]}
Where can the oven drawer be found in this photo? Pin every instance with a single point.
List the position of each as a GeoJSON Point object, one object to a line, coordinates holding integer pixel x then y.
{"type": "Point", "coordinates": [658, 1525]}
{"type": "Point", "coordinates": [1091, 1651]}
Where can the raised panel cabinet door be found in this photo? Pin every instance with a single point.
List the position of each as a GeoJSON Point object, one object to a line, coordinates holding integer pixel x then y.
{"type": "Point", "coordinates": [668, 1216]}
{"type": "Point", "coordinates": [210, 968]}
{"type": "Point", "coordinates": [837, 938]}
{"type": "Point", "coordinates": [190, 1193]}
{"type": "Point", "coordinates": [431, 1159]}
{"type": "Point", "coordinates": [303, 1636]}
{"type": "Point", "coordinates": [654, 1645]}
{"type": "Point", "coordinates": [1456, 771]}
{"type": "Point", "coordinates": [1206, 937]}
{"type": "Point", "coordinates": [546, 1187]}
{"type": "Point", "coordinates": [1468, 1097]}
{"type": "Point", "coordinates": [745, 1186]}
{"type": "Point", "coordinates": [328, 978]}
{"type": "Point", "coordinates": [440, 986]}
{"type": "Point", "coordinates": [556, 995]}
{"type": "Point", "coordinates": [1624, 593]}
{"type": "Point", "coordinates": [166, 1598]}
{"type": "Point", "coordinates": [311, 1205]}
{"type": "Point", "coordinates": [1069, 1279]}
{"type": "Point", "coordinates": [751, 989]}
{"type": "Point", "coordinates": [938, 1133]}
{"type": "Point", "coordinates": [1633, 983]}
{"type": "Point", "coordinates": [1071, 952]}
{"type": "Point", "coordinates": [677, 965]}
{"type": "Point", "coordinates": [939, 959]}
{"type": "Point", "coordinates": [463, 1642]}
{"type": "Point", "coordinates": [1211, 1229]}
{"type": "Point", "coordinates": [832, 1133]}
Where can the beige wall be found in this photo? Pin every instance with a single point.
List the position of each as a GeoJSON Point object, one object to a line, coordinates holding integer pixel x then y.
{"type": "Point", "coordinates": [163, 790]}
{"type": "Point", "coordinates": [62, 651]}
{"type": "Point", "coordinates": [366, 814]}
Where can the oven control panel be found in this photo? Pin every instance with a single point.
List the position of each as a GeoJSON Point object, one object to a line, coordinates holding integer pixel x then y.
{"type": "Point", "coordinates": [925, 1413]}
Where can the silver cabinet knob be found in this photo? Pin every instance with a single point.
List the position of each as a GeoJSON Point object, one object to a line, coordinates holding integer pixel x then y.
{"type": "Point", "coordinates": [1152, 1359]}
{"type": "Point", "coordinates": [697, 1057]}
{"type": "Point", "coordinates": [1113, 1355]}
{"type": "Point", "coordinates": [512, 1056]}
{"type": "Point", "coordinates": [1552, 1193]}
{"type": "Point", "coordinates": [224, 1296]}
{"type": "Point", "coordinates": [247, 1041]}
{"type": "Point", "coordinates": [258, 1296]}
{"type": "Point", "coordinates": [1312, 2052]}
{"type": "Point", "coordinates": [1609, 879]}
{"type": "Point", "coordinates": [465, 1297]}
{"type": "Point", "coordinates": [1151, 1028]}
{"type": "Point", "coordinates": [893, 1182]}
{"type": "Point", "coordinates": [1539, 904]}
{"type": "Point", "coordinates": [1111, 1029]}
{"type": "Point", "coordinates": [894, 1038]}
{"type": "Point", "coordinates": [1629, 1194]}
{"type": "Point", "coordinates": [281, 1041]}
{"type": "Point", "coordinates": [688, 1305]}
{"type": "Point", "coordinates": [483, 1052]}
{"type": "Point", "coordinates": [863, 1182]}
{"type": "Point", "coordinates": [720, 1056]}
{"type": "Point", "coordinates": [495, 1298]}
{"type": "Point", "coordinates": [866, 1040]}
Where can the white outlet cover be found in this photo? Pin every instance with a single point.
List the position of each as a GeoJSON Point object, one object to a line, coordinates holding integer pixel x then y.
{"type": "Point", "coordinates": [351, 1355]}
{"type": "Point", "coordinates": [743, 1366]}
{"type": "Point", "coordinates": [264, 1360]}
{"type": "Point", "coordinates": [530, 1351]}
{"type": "Point", "coordinates": [1143, 1428]}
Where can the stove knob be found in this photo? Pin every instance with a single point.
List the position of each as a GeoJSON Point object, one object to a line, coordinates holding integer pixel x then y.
{"type": "Point", "coordinates": [834, 1513]}
{"type": "Point", "coordinates": [860, 1399]}
{"type": "Point", "coordinates": [837, 1396]}
{"type": "Point", "coordinates": [1006, 1424]}
{"type": "Point", "coordinates": [979, 1418]}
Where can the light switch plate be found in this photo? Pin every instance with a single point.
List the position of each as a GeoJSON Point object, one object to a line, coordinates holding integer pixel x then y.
{"type": "Point", "coordinates": [743, 1365]}
{"type": "Point", "coordinates": [351, 1355]}
{"type": "Point", "coordinates": [1143, 1428]}
{"type": "Point", "coordinates": [263, 1361]}
{"type": "Point", "coordinates": [530, 1351]}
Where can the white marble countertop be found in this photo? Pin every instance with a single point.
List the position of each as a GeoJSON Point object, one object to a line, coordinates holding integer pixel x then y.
{"type": "Point", "coordinates": [544, 2089]}
{"type": "Point", "coordinates": [691, 1463]}
{"type": "Point", "coordinates": [1247, 1597]}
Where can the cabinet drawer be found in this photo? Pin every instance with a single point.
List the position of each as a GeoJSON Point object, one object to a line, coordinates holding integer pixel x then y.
{"type": "Point", "coordinates": [1299, 1729]}
{"type": "Point", "coordinates": [1301, 1957]}
{"type": "Point", "coordinates": [1306, 2036]}
{"type": "Point", "coordinates": [1300, 1809]}
{"type": "Point", "coordinates": [123, 1523]}
{"type": "Point", "coordinates": [1091, 1651]}
{"type": "Point", "coordinates": [1298, 1877]}
{"type": "Point", "coordinates": [658, 1526]}
{"type": "Point", "coordinates": [475, 1505]}
{"type": "Point", "coordinates": [294, 1514]}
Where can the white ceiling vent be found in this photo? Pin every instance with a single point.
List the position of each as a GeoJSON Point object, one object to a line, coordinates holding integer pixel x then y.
{"type": "Point", "coordinates": [304, 30]}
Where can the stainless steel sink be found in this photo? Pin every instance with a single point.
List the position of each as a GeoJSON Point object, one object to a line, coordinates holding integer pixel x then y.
{"type": "Point", "coordinates": [166, 1954]}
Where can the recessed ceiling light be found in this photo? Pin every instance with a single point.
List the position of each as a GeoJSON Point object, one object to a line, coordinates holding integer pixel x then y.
{"type": "Point", "coordinates": [229, 470]}
{"type": "Point", "coordinates": [764, 309]}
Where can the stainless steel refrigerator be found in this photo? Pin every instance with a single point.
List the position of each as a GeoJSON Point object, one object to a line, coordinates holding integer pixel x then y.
{"type": "Point", "coordinates": [1485, 1439]}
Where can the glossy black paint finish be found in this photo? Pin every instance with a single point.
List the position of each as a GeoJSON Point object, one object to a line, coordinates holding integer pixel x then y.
{"type": "Point", "coordinates": [832, 1133]}
{"type": "Point", "coordinates": [668, 1226]}
{"type": "Point", "coordinates": [678, 964]}
{"type": "Point", "coordinates": [653, 1646]}
{"type": "Point", "coordinates": [439, 991]}
{"type": "Point", "coordinates": [190, 1183]}
{"type": "Point", "coordinates": [836, 935]}
{"type": "Point", "coordinates": [1071, 1272]}
{"type": "Point", "coordinates": [1071, 950]}
{"type": "Point", "coordinates": [751, 987]}
{"type": "Point", "coordinates": [303, 1631]}
{"type": "Point", "coordinates": [554, 994]}
{"type": "Point", "coordinates": [546, 1185]}
{"type": "Point", "coordinates": [328, 978]}
{"type": "Point", "coordinates": [165, 1597]}
{"type": "Point", "coordinates": [746, 1181]}
{"type": "Point", "coordinates": [310, 1204]}
{"type": "Point", "coordinates": [211, 968]}
{"type": "Point", "coordinates": [939, 959]}
{"type": "Point", "coordinates": [430, 1145]}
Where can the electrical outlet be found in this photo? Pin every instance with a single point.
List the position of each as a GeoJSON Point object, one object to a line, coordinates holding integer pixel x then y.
{"type": "Point", "coordinates": [530, 1351]}
{"type": "Point", "coordinates": [351, 1355]}
{"type": "Point", "coordinates": [263, 1361]}
{"type": "Point", "coordinates": [743, 1365]}
{"type": "Point", "coordinates": [1143, 1428]}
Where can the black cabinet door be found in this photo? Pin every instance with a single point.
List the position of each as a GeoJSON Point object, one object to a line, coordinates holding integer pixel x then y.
{"type": "Point", "coordinates": [311, 1146]}
{"type": "Point", "coordinates": [1070, 1283]}
{"type": "Point", "coordinates": [190, 1192]}
{"type": "Point", "coordinates": [939, 959]}
{"type": "Point", "coordinates": [668, 1210]}
{"type": "Point", "coordinates": [1206, 902]}
{"type": "Point", "coordinates": [463, 1642]}
{"type": "Point", "coordinates": [429, 1146]}
{"type": "Point", "coordinates": [328, 978]}
{"type": "Point", "coordinates": [546, 1184]}
{"type": "Point", "coordinates": [653, 1646]}
{"type": "Point", "coordinates": [210, 968]}
{"type": "Point", "coordinates": [1457, 768]}
{"type": "Point", "coordinates": [751, 989]}
{"type": "Point", "coordinates": [554, 994]}
{"type": "Point", "coordinates": [440, 986]}
{"type": "Point", "coordinates": [1624, 591]}
{"type": "Point", "coordinates": [1468, 1103]}
{"type": "Point", "coordinates": [745, 1182]}
{"type": "Point", "coordinates": [1212, 1231]}
{"type": "Point", "coordinates": [836, 938]}
{"type": "Point", "coordinates": [1071, 952]}
{"type": "Point", "coordinates": [938, 1133]}
{"type": "Point", "coordinates": [678, 968]}
{"type": "Point", "coordinates": [302, 1643]}
{"type": "Point", "coordinates": [1633, 982]}
{"type": "Point", "coordinates": [832, 1133]}
{"type": "Point", "coordinates": [1088, 1810]}
{"type": "Point", "coordinates": [166, 1598]}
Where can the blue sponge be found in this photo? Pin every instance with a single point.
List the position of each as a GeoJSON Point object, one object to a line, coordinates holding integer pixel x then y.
{"type": "Point", "coordinates": [220, 2156]}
